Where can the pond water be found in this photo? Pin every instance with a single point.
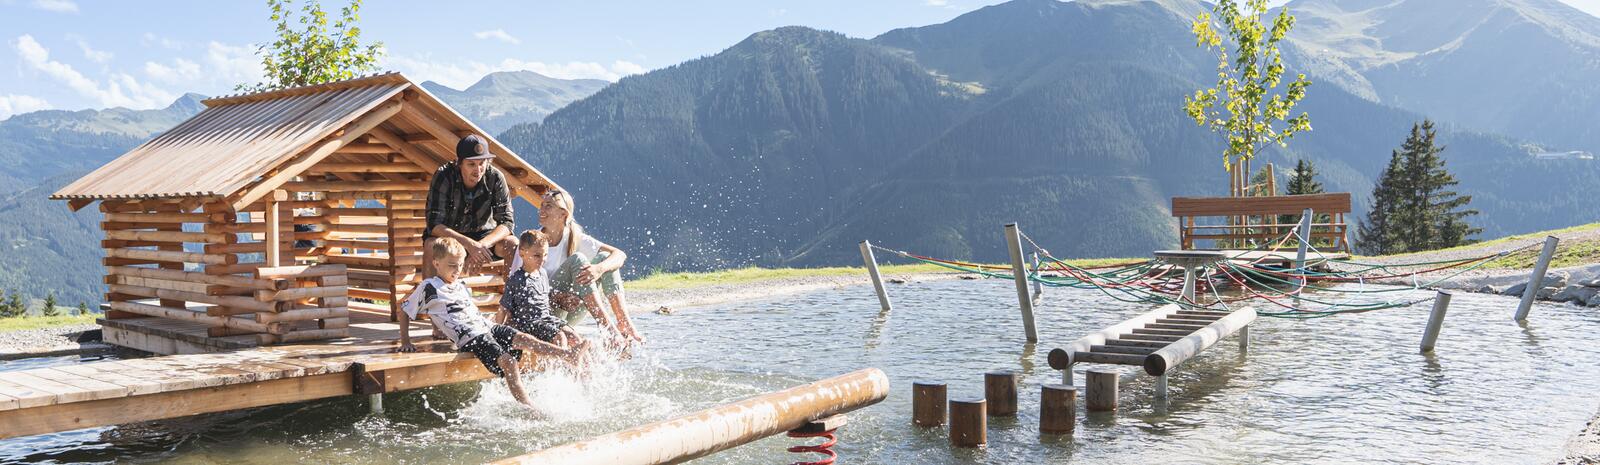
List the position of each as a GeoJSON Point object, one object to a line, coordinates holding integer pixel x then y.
{"type": "Point", "coordinates": [1347, 389]}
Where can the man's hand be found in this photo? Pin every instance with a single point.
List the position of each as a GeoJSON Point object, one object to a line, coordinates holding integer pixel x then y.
{"type": "Point", "coordinates": [477, 256]}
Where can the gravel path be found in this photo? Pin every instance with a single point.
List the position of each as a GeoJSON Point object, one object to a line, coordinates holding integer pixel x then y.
{"type": "Point", "coordinates": [1474, 279]}
{"type": "Point", "coordinates": [43, 340]}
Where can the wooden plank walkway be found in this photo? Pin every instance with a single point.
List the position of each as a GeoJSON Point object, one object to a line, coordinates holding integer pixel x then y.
{"type": "Point", "coordinates": [63, 398]}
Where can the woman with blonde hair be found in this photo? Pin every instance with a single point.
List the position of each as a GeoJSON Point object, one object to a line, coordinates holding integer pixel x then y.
{"type": "Point", "coordinates": [580, 267]}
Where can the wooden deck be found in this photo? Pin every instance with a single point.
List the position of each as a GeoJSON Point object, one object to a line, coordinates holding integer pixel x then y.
{"type": "Point", "coordinates": [1281, 258]}
{"type": "Point", "coordinates": [63, 398]}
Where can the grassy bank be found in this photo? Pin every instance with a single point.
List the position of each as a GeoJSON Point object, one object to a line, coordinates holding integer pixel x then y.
{"type": "Point", "coordinates": [1568, 252]}
{"type": "Point", "coordinates": [36, 322]}
{"type": "Point", "coordinates": [660, 281]}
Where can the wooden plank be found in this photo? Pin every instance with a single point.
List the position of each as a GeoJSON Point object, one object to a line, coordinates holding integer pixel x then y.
{"type": "Point", "coordinates": [66, 417]}
{"type": "Point", "coordinates": [1338, 202]}
{"type": "Point", "coordinates": [172, 257]}
{"type": "Point", "coordinates": [93, 389]}
{"type": "Point", "coordinates": [165, 236]}
{"type": "Point", "coordinates": [299, 271]}
{"type": "Point", "coordinates": [24, 396]}
{"type": "Point", "coordinates": [460, 370]}
{"type": "Point", "coordinates": [61, 392]}
{"type": "Point", "coordinates": [1122, 349]}
{"type": "Point", "coordinates": [177, 275]}
{"type": "Point", "coordinates": [138, 382]}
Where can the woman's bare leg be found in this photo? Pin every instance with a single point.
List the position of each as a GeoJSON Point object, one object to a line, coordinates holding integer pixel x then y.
{"type": "Point", "coordinates": [624, 324]}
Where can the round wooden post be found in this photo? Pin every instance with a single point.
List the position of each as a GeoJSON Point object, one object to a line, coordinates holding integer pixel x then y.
{"type": "Point", "coordinates": [1101, 391]}
{"type": "Point", "coordinates": [1441, 302]}
{"type": "Point", "coordinates": [927, 404]}
{"type": "Point", "coordinates": [1058, 409]}
{"type": "Point", "coordinates": [872, 270]}
{"type": "Point", "coordinates": [969, 423]}
{"type": "Point", "coordinates": [1536, 279]}
{"type": "Point", "coordinates": [1161, 386]}
{"type": "Point", "coordinates": [1020, 274]}
{"type": "Point", "coordinates": [375, 403]}
{"type": "Point", "coordinates": [1000, 389]}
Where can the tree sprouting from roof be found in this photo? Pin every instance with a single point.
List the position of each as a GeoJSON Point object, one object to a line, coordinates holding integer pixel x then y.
{"type": "Point", "coordinates": [308, 50]}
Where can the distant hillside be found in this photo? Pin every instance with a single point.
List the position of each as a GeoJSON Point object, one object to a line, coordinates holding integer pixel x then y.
{"type": "Point", "coordinates": [48, 247]}
{"type": "Point", "coordinates": [504, 99]}
{"type": "Point", "coordinates": [1522, 67]}
{"type": "Point", "coordinates": [38, 145]}
{"type": "Point", "coordinates": [1063, 116]}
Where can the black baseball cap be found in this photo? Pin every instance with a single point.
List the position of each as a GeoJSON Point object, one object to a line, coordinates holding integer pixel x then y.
{"type": "Point", "coordinates": [472, 148]}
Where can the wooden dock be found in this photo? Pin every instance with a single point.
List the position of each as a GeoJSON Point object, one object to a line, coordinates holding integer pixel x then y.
{"type": "Point", "coordinates": [64, 398]}
{"type": "Point", "coordinates": [1157, 340]}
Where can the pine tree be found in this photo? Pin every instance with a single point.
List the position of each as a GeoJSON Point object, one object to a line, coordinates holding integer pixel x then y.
{"type": "Point", "coordinates": [1414, 205]}
{"type": "Point", "coordinates": [1304, 181]}
{"type": "Point", "coordinates": [83, 309]}
{"type": "Point", "coordinates": [1376, 234]}
{"type": "Point", "coordinates": [13, 306]}
{"type": "Point", "coordinates": [50, 305]}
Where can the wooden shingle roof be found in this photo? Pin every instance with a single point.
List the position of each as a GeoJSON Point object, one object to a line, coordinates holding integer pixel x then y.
{"type": "Point", "coordinates": [240, 144]}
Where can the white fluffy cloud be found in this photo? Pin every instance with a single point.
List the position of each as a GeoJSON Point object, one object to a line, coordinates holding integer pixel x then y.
{"type": "Point", "coordinates": [59, 6]}
{"type": "Point", "coordinates": [11, 104]}
{"type": "Point", "coordinates": [181, 70]}
{"type": "Point", "coordinates": [97, 56]}
{"type": "Point", "coordinates": [498, 34]}
{"type": "Point", "coordinates": [117, 90]}
{"type": "Point", "coordinates": [461, 75]}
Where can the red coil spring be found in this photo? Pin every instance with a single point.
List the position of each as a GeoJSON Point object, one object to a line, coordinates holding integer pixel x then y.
{"type": "Point", "coordinates": [825, 448]}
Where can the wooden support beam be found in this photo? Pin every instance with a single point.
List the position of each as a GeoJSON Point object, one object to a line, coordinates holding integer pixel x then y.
{"type": "Point", "coordinates": [220, 300]}
{"type": "Point", "coordinates": [172, 257]}
{"type": "Point", "coordinates": [79, 415]}
{"type": "Point", "coordinates": [197, 317]}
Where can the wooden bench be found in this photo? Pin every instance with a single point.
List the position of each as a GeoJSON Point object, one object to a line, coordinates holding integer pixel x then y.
{"type": "Point", "coordinates": [1257, 220]}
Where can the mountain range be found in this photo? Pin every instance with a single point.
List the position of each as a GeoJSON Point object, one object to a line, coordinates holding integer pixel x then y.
{"type": "Point", "coordinates": [787, 148]}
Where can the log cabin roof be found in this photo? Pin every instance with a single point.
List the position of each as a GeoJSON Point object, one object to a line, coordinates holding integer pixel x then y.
{"type": "Point", "coordinates": [241, 146]}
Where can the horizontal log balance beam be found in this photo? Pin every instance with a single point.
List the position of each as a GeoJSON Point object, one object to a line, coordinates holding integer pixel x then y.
{"type": "Point", "coordinates": [1157, 350]}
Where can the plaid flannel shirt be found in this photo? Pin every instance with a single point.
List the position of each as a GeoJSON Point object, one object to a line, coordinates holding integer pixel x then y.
{"type": "Point", "coordinates": [468, 211]}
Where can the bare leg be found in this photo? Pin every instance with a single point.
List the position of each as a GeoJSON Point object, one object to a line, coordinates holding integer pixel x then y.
{"type": "Point", "coordinates": [624, 323]}
{"type": "Point", "coordinates": [593, 305]}
{"type": "Point", "coordinates": [529, 343]}
{"type": "Point", "coordinates": [508, 365]}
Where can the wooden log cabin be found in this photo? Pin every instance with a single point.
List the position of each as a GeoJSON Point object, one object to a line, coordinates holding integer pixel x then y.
{"type": "Point", "coordinates": [272, 217]}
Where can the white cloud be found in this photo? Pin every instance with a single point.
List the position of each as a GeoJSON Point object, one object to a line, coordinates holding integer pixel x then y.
{"type": "Point", "coordinates": [462, 75]}
{"type": "Point", "coordinates": [59, 6]}
{"type": "Point", "coordinates": [233, 64]}
{"type": "Point", "coordinates": [11, 104]}
{"type": "Point", "coordinates": [498, 34]}
{"type": "Point", "coordinates": [119, 90]}
{"type": "Point", "coordinates": [937, 3]}
{"type": "Point", "coordinates": [97, 56]}
{"type": "Point", "coordinates": [152, 40]}
{"type": "Point", "coordinates": [181, 71]}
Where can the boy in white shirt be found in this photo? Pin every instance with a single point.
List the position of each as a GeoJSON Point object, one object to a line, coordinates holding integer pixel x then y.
{"type": "Point", "coordinates": [448, 303]}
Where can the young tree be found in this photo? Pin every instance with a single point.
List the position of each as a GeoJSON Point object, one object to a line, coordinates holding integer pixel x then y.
{"type": "Point", "coordinates": [313, 52]}
{"type": "Point", "coordinates": [1243, 105]}
{"type": "Point", "coordinates": [50, 305]}
{"type": "Point", "coordinates": [83, 309]}
{"type": "Point", "coordinates": [1304, 179]}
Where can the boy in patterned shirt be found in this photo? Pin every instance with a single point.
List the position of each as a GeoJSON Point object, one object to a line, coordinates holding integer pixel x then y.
{"type": "Point", "coordinates": [527, 298]}
{"type": "Point", "coordinates": [448, 303]}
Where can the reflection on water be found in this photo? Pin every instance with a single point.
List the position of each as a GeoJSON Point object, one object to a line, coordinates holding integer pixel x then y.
{"type": "Point", "coordinates": [1348, 389]}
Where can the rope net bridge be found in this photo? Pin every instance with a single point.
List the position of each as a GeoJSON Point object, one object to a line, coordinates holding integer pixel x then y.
{"type": "Point", "coordinates": [1314, 288]}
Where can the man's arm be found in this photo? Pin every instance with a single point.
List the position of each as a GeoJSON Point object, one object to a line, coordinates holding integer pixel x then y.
{"type": "Point", "coordinates": [502, 202]}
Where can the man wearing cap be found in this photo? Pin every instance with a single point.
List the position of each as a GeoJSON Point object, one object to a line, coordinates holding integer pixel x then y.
{"type": "Point", "coordinates": [468, 201]}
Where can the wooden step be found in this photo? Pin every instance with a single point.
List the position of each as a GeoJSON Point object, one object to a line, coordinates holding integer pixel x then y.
{"type": "Point", "coordinates": [1114, 349]}
{"type": "Point", "coordinates": [1114, 359]}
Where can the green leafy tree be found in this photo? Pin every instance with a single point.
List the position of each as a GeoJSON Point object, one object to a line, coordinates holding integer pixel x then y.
{"type": "Point", "coordinates": [1244, 104]}
{"type": "Point", "coordinates": [50, 305]}
{"type": "Point", "coordinates": [309, 50]}
{"type": "Point", "coordinates": [1415, 206]}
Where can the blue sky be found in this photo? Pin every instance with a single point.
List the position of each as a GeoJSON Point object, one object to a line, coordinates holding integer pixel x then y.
{"type": "Point", "coordinates": [76, 54]}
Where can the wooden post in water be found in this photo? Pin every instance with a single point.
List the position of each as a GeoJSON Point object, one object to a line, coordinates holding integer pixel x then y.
{"type": "Point", "coordinates": [1441, 302]}
{"type": "Point", "coordinates": [1101, 390]}
{"type": "Point", "coordinates": [1536, 280]}
{"type": "Point", "coordinates": [1058, 409]}
{"type": "Point", "coordinates": [1000, 389]}
{"type": "Point", "coordinates": [969, 423]}
{"type": "Point", "coordinates": [1014, 243]}
{"type": "Point", "coordinates": [375, 403]}
{"type": "Point", "coordinates": [927, 403]}
{"type": "Point", "coordinates": [1161, 386]}
{"type": "Point", "coordinates": [872, 270]}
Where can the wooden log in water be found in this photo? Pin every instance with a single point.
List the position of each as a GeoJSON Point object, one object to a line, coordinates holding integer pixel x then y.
{"type": "Point", "coordinates": [1058, 409]}
{"type": "Point", "coordinates": [927, 403]}
{"type": "Point", "coordinates": [1100, 388]}
{"type": "Point", "coordinates": [1157, 364]}
{"type": "Point", "coordinates": [1000, 390]}
{"type": "Point", "coordinates": [969, 423]}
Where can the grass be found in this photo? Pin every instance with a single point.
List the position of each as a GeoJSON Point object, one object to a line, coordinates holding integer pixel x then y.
{"type": "Point", "coordinates": [1509, 239]}
{"type": "Point", "coordinates": [660, 281]}
{"type": "Point", "coordinates": [1567, 254]}
{"type": "Point", "coordinates": [36, 322]}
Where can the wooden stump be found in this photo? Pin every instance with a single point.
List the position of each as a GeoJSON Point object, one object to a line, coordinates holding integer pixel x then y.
{"type": "Point", "coordinates": [969, 424]}
{"type": "Point", "coordinates": [1101, 391]}
{"type": "Point", "coordinates": [1000, 390]}
{"type": "Point", "coordinates": [1058, 409]}
{"type": "Point", "coordinates": [927, 404]}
